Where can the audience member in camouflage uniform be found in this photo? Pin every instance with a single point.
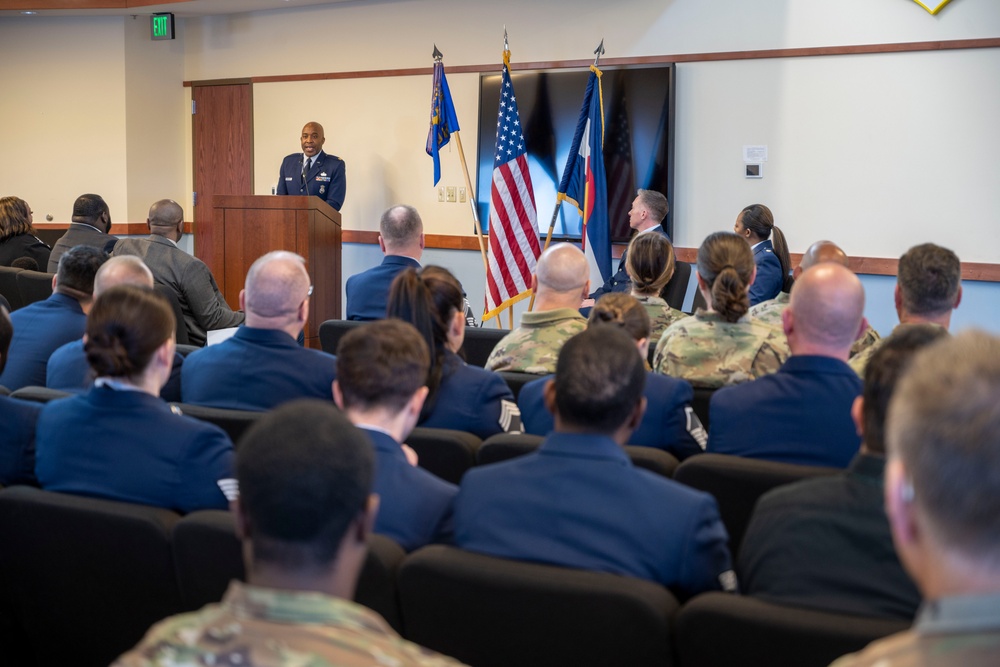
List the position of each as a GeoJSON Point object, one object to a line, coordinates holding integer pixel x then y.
{"type": "Point", "coordinates": [560, 282]}
{"type": "Point", "coordinates": [769, 312]}
{"type": "Point", "coordinates": [721, 345]}
{"type": "Point", "coordinates": [942, 496]}
{"type": "Point", "coordinates": [928, 288]}
{"type": "Point", "coordinates": [649, 262]}
{"type": "Point", "coordinates": [304, 513]}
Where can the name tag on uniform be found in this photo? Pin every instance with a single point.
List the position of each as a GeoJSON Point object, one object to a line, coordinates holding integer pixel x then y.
{"type": "Point", "coordinates": [288, 178]}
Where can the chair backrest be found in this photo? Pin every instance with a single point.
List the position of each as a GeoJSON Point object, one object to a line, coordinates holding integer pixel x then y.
{"type": "Point", "coordinates": [175, 305]}
{"type": "Point", "coordinates": [701, 402]}
{"type": "Point", "coordinates": [444, 452]}
{"type": "Point", "coordinates": [331, 331]}
{"type": "Point", "coordinates": [39, 394]}
{"type": "Point", "coordinates": [699, 301]}
{"type": "Point", "coordinates": [86, 578]}
{"type": "Point", "coordinates": [209, 555]}
{"type": "Point", "coordinates": [515, 380]}
{"type": "Point", "coordinates": [8, 286]}
{"type": "Point", "coordinates": [34, 286]}
{"type": "Point", "coordinates": [479, 342]}
{"type": "Point", "coordinates": [737, 483]}
{"type": "Point", "coordinates": [720, 630]}
{"type": "Point", "coordinates": [491, 612]}
{"type": "Point", "coordinates": [506, 446]}
{"type": "Point", "coordinates": [185, 350]}
{"type": "Point", "coordinates": [676, 288]}
{"type": "Point", "coordinates": [233, 422]}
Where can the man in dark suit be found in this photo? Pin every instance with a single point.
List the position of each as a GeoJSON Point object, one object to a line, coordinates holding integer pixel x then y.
{"type": "Point", "coordinates": [381, 374]}
{"type": "Point", "coordinates": [262, 365]}
{"type": "Point", "coordinates": [401, 237]}
{"type": "Point", "coordinates": [579, 502]}
{"type": "Point", "coordinates": [649, 210]}
{"type": "Point", "coordinates": [802, 413]}
{"type": "Point", "coordinates": [17, 447]}
{"type": "Point", "coordinates": [203, 305]}
{"type": "Point", "coordinates": [313, 172]}
{"type": "Point", "coordinates": [44, 326]}
{"type": "Point", "coordinates": [90, 225]}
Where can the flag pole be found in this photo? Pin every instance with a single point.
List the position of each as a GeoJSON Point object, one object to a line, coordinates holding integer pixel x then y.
{"type": "Point", "coordinates": [598, 52]}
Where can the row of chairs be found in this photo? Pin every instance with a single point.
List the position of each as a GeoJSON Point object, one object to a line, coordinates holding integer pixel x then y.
{"type": "Point", "coordinates": [23, 286]}
{"type": "Point", "coordinates": [81, 579]}
{"type": "Point", "coordinates": [735, 482]}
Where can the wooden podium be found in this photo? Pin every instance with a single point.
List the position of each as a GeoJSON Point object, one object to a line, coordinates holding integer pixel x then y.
{"type": "Point", "coordinates": [244, 227]}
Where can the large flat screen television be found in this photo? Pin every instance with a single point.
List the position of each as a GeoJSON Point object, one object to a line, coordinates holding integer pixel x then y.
{"type": "Point", "coordinates": [638, 138]}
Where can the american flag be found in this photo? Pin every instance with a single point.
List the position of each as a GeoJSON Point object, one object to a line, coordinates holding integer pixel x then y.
{"type": "Point", "coordinates": [618, 157]}
{"type": "Point", "coordinates": [514, 245]}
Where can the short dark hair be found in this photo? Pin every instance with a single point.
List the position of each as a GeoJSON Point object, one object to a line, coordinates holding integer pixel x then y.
{"type": "Point", "coordinates": [929, 277]}
{"type": "Point", "coordinates": [89, 206]}
{"type": "Point", "coordinates": [886, 366]}
{"type": "Point", "coordinates": [655, 203]}
{"type": "Point", "coordinates": [381, 364]}
{"type": "Point", "coordinates": [944, 424]}
{"type": "Point", "coordinates": [6, 335]}
{"type": "Point", "coordinates": [77, 268]}
{"type": "Point", "coordinates": [599, 380]}
{"type": "Point", "coordinates": [304, 473]}
{"type": "Point", "coordinates": [126, 326]}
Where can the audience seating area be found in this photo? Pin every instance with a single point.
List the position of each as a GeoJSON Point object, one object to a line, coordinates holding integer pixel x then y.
{"type": "Point", "coordinates": [22, 286]}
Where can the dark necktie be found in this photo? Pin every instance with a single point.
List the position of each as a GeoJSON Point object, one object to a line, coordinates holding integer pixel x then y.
{"type": "Point", "coordinates": [305, 170]}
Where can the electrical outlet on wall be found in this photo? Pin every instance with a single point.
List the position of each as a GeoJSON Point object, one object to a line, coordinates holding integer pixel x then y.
{"type": "Point", "coordinates": [441, 193]}
{"type": "Point", "coordinates": [452, 195]}
{"type": "Point", "coordinates": [461, 195]}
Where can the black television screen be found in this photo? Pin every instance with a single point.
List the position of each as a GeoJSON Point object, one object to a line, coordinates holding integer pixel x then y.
{"type": "Point", "coordinates": [638, 138]}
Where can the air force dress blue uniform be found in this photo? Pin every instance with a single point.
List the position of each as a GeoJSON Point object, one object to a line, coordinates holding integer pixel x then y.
{"type": "Point", "coordinates": [68, 370]}
{"type": "Point", "coordinates": [471, 399]}
{"type": "Point", "coordinates": [17, 445]}
{"type": "Point", "coordinates": [39, 330]}
{"type": "Point", "coordinates": [256, 369]}
{"type": "Point", "coordinates": [415, 507]}
{"type": "Point", "coordinates": [669, 423]}
{"type": "Point", "coordinates": [769, 278]}
{"type": "Point", "coordinates": [801, 414]}
{"type": "Point", "coordinates": [579, 502]}
{"type": "Point", "coordinates": [368, 291]}
{"type": "Point", "coordinates": [326, 178]}
{"type": "Point", "coordinates": [129, 446]}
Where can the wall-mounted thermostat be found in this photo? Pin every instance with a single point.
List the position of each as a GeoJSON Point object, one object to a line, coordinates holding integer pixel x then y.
{"type": "Point", "coordinates": [754, 170]}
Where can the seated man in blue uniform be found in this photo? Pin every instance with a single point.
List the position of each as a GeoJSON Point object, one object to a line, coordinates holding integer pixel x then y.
{"type": "Point", "coordinates": [579, 502]}
{"type": "Point", "coordinates": [262, 365]}
{"type": "Point", "coordinates": [68, 369]}
{"type": "Point", "coordinates": [313, 172]}
{"type": "Point", "coordinates": [401, 238]}
{"type": "Point", "coordinates": [381, 375]}
{"type": "Point", "coordinates": [649, 210]}
{"type": "Point", "coordinates": [17, 447]}
{"type": "Point", "coordinates": [942, 495]}
{"type": "Point", "coordinates": [825, 543]}
{"type": "Point", "coordinates": [802, 413]}
{"type": "Point", "coordinates": [44, 326]}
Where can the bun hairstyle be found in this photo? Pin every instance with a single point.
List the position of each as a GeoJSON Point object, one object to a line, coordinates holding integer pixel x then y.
{"type": "Point", "coordinates": [15, 218]}
{"type": "Point", "coordinates": [126, 325]}
{"type": "Point", "coordinates": [725, 263]}
{"type": "Point", "coordinates": [760, 221]}
{"type": "Point", "coordinates": [623, 310]}
{"type": "Point", "coordinates": [428, 299]}
{"type": "Point", "coordinates": [649, 262]}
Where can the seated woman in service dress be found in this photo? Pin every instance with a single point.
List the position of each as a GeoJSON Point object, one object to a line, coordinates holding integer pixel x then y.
{"type": "Point", "coordinates": [120, 440]}
{"type": "Point", "coordinates": [721, 345]}
{"type": "Point", "coordinates": [755, 224]}
{"type": "Point", "coordinates": [461, 397]}
{"type": "Point", "coordinates": [669, 422]}
{"type": "Point", "coordinates": [649, 263]}
{"type": "Point", "coordinates": [17, 235]}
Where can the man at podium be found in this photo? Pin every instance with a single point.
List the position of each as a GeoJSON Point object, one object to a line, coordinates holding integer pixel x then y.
{"type": "Point", "coordinates": [313, 172]}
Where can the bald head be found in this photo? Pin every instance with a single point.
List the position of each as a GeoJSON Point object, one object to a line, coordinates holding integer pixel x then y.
{"type": "Point", "coordinates": [276, 292]}
{"type": "Point", "coordinates": [401, 231]}
{"type": "Point", "coordinates": [825, 311]}
{"type": "Point", "coordinates": [166, 218]}
{"type": "Point", "coordinates": [122, 270]}
{"type": "Point", "coordinates": [823, 251]}
{"type": "Point", "coordinates": [562, 277]}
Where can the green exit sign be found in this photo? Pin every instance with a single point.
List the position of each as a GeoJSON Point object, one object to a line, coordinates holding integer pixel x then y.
{"type": "Point", "coordinates": [162, 26]}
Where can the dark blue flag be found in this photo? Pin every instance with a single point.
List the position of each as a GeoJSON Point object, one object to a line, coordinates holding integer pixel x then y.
{"type": "Point", "coordinates": [443, 118]}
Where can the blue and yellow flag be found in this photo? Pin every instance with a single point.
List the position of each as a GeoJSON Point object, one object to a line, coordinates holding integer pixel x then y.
{"type": "Point", "coordinates": [443, 118]}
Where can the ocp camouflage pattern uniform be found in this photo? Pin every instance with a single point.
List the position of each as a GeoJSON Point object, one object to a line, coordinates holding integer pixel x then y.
{"type": "Point", "coordinates": [534, 346]}
{"type": "Point", "coordinates": [271, 628]}
{"type": "Point", "coordinates": [860, 361]}
{"type": "Point", "coordinates": [769, 312]}
{"type": "Point", "coordinates": [661, 316]}
{"type": "Point", "coordinates": [708, 351]}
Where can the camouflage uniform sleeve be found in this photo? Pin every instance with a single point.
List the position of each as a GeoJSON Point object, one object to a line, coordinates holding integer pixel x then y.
{"type": "Point", "coordinates": [867, 340]}
{"type": "Point", "coordinates": [772, 354]}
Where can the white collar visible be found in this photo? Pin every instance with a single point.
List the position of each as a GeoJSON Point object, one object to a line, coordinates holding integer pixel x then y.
{"type": "Point", "coordinates": [756, 244]}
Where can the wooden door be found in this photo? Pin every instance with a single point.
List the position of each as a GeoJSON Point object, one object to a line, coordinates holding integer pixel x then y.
{"type": "Point", "coordinates": [222, 131]}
